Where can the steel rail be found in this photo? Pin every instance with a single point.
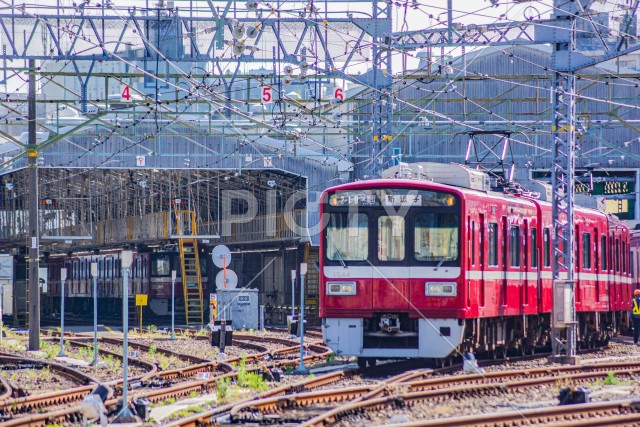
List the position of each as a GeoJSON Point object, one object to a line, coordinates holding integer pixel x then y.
{"type": "Point", "coordinates": [402, 394]}
{"type": "Point", "coordinates": [32, 402]}
{"type": "Point", "coordinates": [612, 413]}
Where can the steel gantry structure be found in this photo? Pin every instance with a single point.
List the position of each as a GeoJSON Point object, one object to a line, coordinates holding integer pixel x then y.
{"type": "Point", "coordinates": [203, 47]}
{"type": "Point", "coordinates": [203, 51]}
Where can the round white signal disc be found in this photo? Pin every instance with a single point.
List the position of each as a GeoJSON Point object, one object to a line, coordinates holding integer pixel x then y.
{"type": "Point", "coordinates": [221, 256]}
{"type": "Point", "coordinates": [231, 281]}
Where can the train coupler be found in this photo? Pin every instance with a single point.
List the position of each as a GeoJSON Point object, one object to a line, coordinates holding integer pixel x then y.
{"type": "Point", "coordinates": [390, 323]}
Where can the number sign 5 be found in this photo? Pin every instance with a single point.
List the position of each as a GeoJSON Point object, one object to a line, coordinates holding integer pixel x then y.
{"type": "Point", "coordinates": [267, 96]}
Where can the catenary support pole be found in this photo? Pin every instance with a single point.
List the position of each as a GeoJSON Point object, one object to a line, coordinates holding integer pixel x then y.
{"type": "Point", "coordinates": [293, 297]}
{"type": "Point", "coordinates": [94, 273]}
{"type": "Point", "coordinates": [34, 228]}
{"type": "Point", "coordinates": [293, 293]}
{"type": "Point", "coordinates": [63, 279]}
{"type": "Point", "coordinates": [173, 304]}
{"type": "Point", "coordinates": [302, 370]}
{"type": "Point", "coordinates": [126, 258]}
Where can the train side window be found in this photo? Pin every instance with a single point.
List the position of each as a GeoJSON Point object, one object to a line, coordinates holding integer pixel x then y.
{"type": "Point", "coordinates": [160, 265]}
{"type": "Point", "coordinates": [603, 255]}
{"type": "Point", "coordinates": [632, 263]}
{"type": "Point", "coordinates": [612, 253]}
{"type": "Point", "coordinates": [586, 251]}
{"type": "Point", "coordinates": [101, 268]}
{"type": "Point", "coordinates": [546, 243]}
{"type": "Point", "coordinates": [493, 244]}
{"type": "Point", "coordinates": [617, 248]}
{"type": "Point", "coordinates": [623, 257]}
{"type": "Point", "coordinates": [109, 267]}
{"type": "Point", "coordinates": [391, 238]}
{"type": "Point", "coordinates": [514, 246]}
{"type": "Point", "coordinates": [534, 247]}
{"type": "Point", "coordinates": [203, 269]}
{"type": "Point", "coordinates": [347, 237]}
{"type": "Point", "coordinates": [138, 267]}
{"type": "Point", "coordinates": [436, 237]}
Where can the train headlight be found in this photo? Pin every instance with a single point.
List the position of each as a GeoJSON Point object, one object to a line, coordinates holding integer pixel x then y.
{"type": "Point", "coordinates": [341, 288]}
{"type": "Point", "coordinates": [434, 289]}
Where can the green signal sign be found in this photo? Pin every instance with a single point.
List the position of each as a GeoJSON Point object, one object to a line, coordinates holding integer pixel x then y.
{"type": "Point", "coordinates": [606, 188]}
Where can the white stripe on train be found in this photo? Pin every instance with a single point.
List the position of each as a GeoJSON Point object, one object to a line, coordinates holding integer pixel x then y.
{"type": "Point", "coordinates": [386, 272]}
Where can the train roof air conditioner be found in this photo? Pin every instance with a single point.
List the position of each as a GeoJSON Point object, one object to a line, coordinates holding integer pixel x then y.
{"type": "Point", "coordinates": [443, 173]}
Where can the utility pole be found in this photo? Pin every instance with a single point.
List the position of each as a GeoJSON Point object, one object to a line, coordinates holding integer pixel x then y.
{"type": "Point", "coordinates": [34, 226]}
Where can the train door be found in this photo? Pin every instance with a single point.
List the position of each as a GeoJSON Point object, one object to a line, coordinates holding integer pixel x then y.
{"type": "Point", "coordinates": [505, 249]}
{"type": "Point", "coordinates": [471, 258]}
{"type": "Point", "coordinates": [525, 265]}
{"type": "Point", "coordinates": [481, 260]}
{"type": "Point", "coordinates": [611, 287]}
{"type": "Point", "coordinates": [390, 285]}
{"type": "Point", "coordinates": [597, 266]}
{"type": "Point", "coordinates": [579, 263]}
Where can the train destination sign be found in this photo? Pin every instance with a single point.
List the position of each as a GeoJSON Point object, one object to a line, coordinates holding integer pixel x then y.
{"type": "Point", "coordinates": [391, 197]}
{"type": "Point", "coordinates": [403, 200]}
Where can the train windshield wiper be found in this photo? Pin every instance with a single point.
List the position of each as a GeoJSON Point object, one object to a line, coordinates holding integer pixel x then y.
{"type": "Point", "coordinates": [439, 263]}
{"type": "Point", "coordinates": [338, 252]}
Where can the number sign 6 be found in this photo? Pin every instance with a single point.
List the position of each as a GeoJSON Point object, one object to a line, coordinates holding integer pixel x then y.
{"type": "Point", "coordinates": [338, 94]}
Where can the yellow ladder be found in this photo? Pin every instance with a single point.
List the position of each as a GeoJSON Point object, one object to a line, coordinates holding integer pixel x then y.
{"type": "Point", "coordinates": [190, 267]}
{"type": "Point", "coordinates": [312, 286]}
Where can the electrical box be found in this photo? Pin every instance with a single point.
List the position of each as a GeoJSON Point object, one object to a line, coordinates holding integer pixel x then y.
{"type": "Point", "coordinates": [562, 303]}
{"type": "Point", "coordinates": [240, 306]}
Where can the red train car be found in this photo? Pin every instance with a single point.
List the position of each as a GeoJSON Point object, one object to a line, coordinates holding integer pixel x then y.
{"type": "Point", "coordinates": [150, 274]}
{"type": "Point", "coordinates": [419, 268]}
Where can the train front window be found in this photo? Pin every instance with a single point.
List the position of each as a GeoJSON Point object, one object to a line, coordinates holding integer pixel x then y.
{"type": "Point", "coordinates": [391, 238]}
{"type": "Point", "coordinates": [160, 265]}
{"type": "Point", "coordinates": [436, 237]}
{"type": "Point", "coordinates": [347, 237]}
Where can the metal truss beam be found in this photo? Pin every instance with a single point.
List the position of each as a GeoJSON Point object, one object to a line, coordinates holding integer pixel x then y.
{"type": "Point", "coordinates": [510, 33]}
{"type": "Point", "coordinates": [179, 38]}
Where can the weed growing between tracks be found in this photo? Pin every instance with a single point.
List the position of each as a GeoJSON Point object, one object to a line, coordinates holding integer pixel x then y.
{"type": "Point", "coordinates": [611, 379]}
{"type": "Point", "coordinates": [197, 409]}
{"type": "Point", "coordinates": [250, 380]}
{"type": "Point", "coordinates": [245, 382]}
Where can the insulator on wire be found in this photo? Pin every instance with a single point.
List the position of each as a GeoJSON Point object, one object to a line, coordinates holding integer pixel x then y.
{"type": "Point", "coordinates": [238, 32]}
{"type": "Point", "coordinates": [252, 32]}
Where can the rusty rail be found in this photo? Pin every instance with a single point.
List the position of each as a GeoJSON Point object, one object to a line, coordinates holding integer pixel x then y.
{"type": "Point", "coordinates": [615, 413]}
{"type": "Point", "coordinates": [61, 397]}
{"type": "Point", "coordinates": [442, 389]}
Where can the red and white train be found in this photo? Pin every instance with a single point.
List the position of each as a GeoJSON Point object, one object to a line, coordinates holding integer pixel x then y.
{"type": "Point", "coordinates": [426, 267]}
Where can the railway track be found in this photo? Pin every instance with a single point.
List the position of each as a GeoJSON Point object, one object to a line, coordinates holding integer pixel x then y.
{"type": "Point", "coordinates": [614, 413]}
{"type": "Point", "coordinates": [163, 379]}
{"type": "Point", "coordinates": [11, 406]}
{"type": "Point", "coordinates": [208, 418]}
{"type": "Point", "coordinates": [410, 391]}
{"type": "Point", "coordinates": [332, 405]}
